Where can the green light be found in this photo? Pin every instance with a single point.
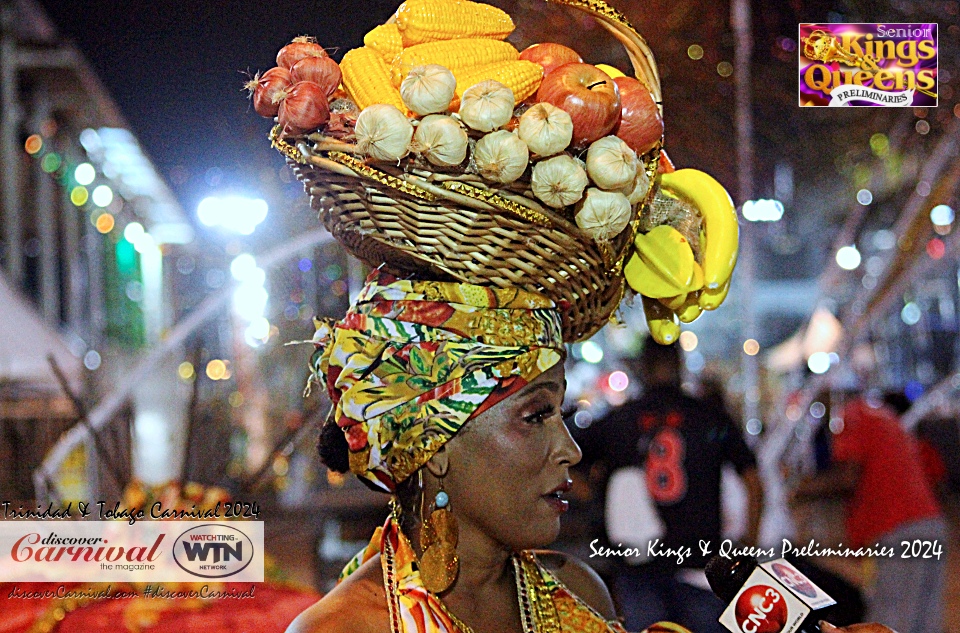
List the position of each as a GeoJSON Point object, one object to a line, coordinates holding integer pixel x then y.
{"type": "Point", "coordinates": [50, 163]}
{"type": "Point", "coordinates": [880, 144]}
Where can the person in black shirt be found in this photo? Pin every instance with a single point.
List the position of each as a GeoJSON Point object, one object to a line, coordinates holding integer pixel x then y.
{"type": "Point", "coordinates": [682, 443]}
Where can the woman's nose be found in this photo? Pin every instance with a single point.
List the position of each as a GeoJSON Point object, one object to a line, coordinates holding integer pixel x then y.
{"type": "Point", "coordinates": [567, 451]}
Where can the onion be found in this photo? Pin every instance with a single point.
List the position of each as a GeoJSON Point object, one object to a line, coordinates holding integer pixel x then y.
{"type": "Point", "coordinates": [322, 71]}
{"type": "Point", "coordinates": [303, 107]}
{"type": "Point", "coordinates": [296, 50]}
{"type": "Point", "coordinates": [266, 90]}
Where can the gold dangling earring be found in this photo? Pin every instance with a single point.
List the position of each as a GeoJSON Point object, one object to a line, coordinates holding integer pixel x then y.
{"type": "Point", "coordinates": [439, 563]}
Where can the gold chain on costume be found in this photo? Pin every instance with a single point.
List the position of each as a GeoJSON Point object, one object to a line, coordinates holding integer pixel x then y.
{"type": "Point", "coordinates": [537, 613]}
{"type": "Point", "coordinates": [536, 609]}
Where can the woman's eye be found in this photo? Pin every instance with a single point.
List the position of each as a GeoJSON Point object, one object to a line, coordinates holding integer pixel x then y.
{"type": "Point", "coordinates": [540, 416]}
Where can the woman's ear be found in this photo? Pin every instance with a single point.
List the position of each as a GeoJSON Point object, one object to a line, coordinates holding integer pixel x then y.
{"type": "Point", "coordinates": [439, 463]}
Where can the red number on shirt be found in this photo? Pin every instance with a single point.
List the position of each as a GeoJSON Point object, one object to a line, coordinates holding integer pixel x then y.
{"type": "Point", "coordinates": [666, 478]}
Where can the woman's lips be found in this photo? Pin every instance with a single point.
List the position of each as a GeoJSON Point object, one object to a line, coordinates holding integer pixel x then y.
{"type": "Point", "coordinates": [555, 498]}
{"type": "Point", "coordinates": [559, 505]}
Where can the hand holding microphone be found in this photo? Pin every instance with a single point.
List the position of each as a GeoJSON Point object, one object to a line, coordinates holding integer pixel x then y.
{"type": "Point", "coordinates": [772, 597]}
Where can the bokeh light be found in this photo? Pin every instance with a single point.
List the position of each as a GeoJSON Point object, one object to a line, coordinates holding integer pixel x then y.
{"type": "Point", "coordinates": [33, 144]}
{"type": "Point", "coordinates": [84, 174]}
{"type": "Point", "coordinates": [819, 362]}
{"type": "Point", "coordinates": [911, 313]}
{"type": "Point", "coordinates": [942, 214]}
{"type": "Point", "coordinates": [591, 352]}
{"type": "Point", "coordinates": [79, 196]}
{"type": "Point", "coordinates": [102, 196]}
{"type": "Point", "coordinates": [695, 51]}
{"type": "Point", "coordinates": [751, 347]}
{"type": "Point", "coordinates": [848, 257]}
{"type": "Point", "coordinates": [936, 249]}
{"type": "Point", "coordinates": [688, 341]}
{"type": "Point", "coordinates": [186, 370]}
{"type": "Point", "coordinates": [216, 369]}
{"type": "Point", "coordinates": [105, 223]}
{"type": "Point", "coordinates": [618, 381]}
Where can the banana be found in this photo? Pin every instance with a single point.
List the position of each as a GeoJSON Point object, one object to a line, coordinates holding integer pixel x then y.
{"type": "Point", "coordinates": [721, 232]}
{"type": "Point", "coordinates": [711, 299]}
{"type": "Point", "coordinates": [661, 321]}
{"type": "Point", "coordinates": [662, 264]}
{"type": "Point", "coordinates": [612, 72]}
{"type": "Point", "coordinates": [674, 303]}
{"type": "Point", "coordinates": [691, 310]}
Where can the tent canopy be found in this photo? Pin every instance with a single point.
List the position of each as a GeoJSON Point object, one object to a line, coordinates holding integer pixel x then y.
{"type": "Point", "coordinates": [822, 334]}
{"type": "Point", "coordinates": [25, 342]}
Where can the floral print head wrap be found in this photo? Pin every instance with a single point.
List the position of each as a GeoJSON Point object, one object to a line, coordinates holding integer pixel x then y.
{"type": "Point", "coordinates": [412, 361]}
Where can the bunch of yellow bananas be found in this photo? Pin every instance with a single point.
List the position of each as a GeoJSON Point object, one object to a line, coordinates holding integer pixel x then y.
{"type": "Point", "coordinates": [674, 286]}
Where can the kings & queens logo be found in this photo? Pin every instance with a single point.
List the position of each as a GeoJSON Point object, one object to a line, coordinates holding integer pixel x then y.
{"type": "Point", "coordinates": [868, 65]}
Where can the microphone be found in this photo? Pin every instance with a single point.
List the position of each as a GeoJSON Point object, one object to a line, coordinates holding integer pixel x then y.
{"type": "Point", "coordinates": [770, 597]}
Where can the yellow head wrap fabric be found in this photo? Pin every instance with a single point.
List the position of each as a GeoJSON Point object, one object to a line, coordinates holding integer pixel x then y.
{"type": "Point", "coordinates": [412, 361]}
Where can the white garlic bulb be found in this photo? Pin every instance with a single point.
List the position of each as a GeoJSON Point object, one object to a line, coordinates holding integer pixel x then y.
{"type": "Point", "coordinates": [383, 132]}
{"type": "Point", "coordinates": [558, 181]}
{"type": "Point", "coordinates": [441, 140]}
{"type": "Point", "coordinates": [487, 105]}
{"type": "Point", "coordinates": [501, 156]}
{"type": "Point", "coordinates": [611, 164]}
{"type": "Point", "coordinates": [546, 129]}
{"type": "Point", "coordinates": [603, 214]}
{"type": "Point", "coordinates": [637, 191]}
{"type": "Point", "coordinates": [428, 89]}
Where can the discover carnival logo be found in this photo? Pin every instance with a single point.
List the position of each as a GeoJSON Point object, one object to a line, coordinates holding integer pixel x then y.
{"type": "Point", "coordinates": [141, 552]}
{"type": "Point", "coordinates": [893, 65]}
{"type": "Point", "coordinates": [214, 550]}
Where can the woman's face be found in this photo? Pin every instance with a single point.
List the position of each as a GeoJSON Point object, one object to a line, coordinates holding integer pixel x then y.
{"type": "Point", "coordinates": [507, 466]}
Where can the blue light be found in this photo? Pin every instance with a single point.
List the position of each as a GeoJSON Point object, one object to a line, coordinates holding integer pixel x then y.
{"type": "Point", "coordinates": [913, 390]}
{"type": "Point", "coordinates": [305, 265]}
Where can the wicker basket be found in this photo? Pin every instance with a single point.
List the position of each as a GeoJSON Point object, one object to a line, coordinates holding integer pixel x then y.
{"type": "Point", "coordinates": [416, 220]}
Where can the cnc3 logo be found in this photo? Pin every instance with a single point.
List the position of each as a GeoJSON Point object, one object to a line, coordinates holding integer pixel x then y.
{"type": "Point", "coordinates": [213, 551]}
{"type": "Point", "coordinates": [761, 609]}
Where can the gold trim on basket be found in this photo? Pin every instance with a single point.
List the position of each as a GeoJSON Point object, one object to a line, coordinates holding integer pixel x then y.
{"type": "Point", "coordinates": [384, 179]}
{"type": "Point", "coordinates": [598, 7]}
{"type": "Point", "coordinates": [499, 202]}
{"type": "Point", "coordinates": [283, 147]}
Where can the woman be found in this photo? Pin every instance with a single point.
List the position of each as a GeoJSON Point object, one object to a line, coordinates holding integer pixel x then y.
{"type": "Point", "coordinates": [448, 396]}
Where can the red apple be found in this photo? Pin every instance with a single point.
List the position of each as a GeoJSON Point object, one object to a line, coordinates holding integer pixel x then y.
{"type": "Point", "coordinates": [641, 125]}
{"type": "Point", "coordinates": [588, 95]}
{"type": "Point", "coordinates": [550, 55]}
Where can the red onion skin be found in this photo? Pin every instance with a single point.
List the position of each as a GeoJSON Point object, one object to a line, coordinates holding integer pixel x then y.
{"type": "Point", "coordinates": [304, 108]}
{"type": "Point", "coordinates": [295, 51]}
{"type": "Point", "coordinates": [268, 85]}
{"type": "Point", "coordinates": [322, 71]}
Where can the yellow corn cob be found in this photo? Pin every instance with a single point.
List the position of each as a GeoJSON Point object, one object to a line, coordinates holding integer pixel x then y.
{"type": "Point", "coordinates": [521, 76]}
{"type": "Point", "coordinates": [454, 54]}
{"type": "Point", "coordinates": [385, 39]}
{"type": "Point", "coordinates": [367, 79]}
{"type": "Point", "coordinates": [423, 21]}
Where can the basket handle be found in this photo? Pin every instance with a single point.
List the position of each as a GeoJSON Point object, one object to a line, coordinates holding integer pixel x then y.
{"type": "Point", "coordinates": [644, 64]}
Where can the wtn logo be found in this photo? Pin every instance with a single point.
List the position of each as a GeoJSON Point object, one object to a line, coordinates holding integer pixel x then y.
{"type": "Point", "coordinates": [221, 551]}
{"type": "Point", "coordinates": [213, 551]}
